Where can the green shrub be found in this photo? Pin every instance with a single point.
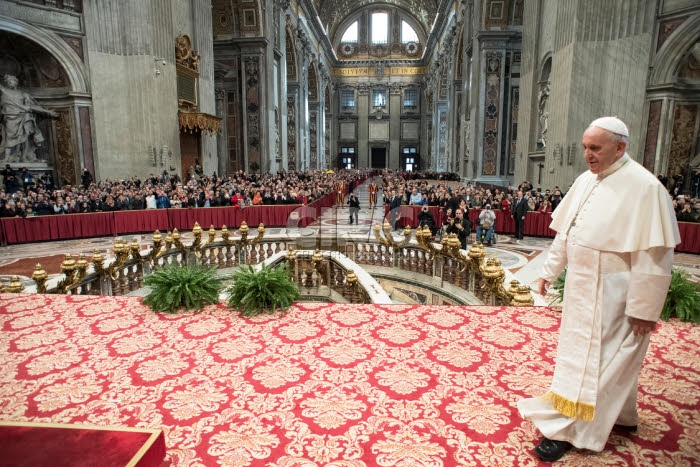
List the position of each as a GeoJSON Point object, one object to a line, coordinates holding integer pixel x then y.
{"type": "Point", "coordinates": [258, 292]}
{"type": "Point", "coordinates": [683, 298]}
{"type": "Point", "coordinates": [173, 286]}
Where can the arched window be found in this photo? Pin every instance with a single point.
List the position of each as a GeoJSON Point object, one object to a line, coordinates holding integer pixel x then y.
{"type": "Point", "coordinates": [380, 28]}
{"type": "Point", "coordinates": [408, 34]}
{"type": "Point", "coordinates": [350, 35]}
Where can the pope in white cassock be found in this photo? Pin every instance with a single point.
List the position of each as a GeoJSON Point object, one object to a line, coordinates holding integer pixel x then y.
{"type": "Point", "coordinates": [616, 231]}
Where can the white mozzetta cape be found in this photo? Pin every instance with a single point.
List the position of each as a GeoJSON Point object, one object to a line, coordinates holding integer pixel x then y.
{"type": "Point", "coordinates": [631, 207]}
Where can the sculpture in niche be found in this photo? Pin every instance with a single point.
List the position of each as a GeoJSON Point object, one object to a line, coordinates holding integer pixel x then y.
{"type": "Point", "coordinates": [19, 133]}
{"type": "Point", "coordinates": [543, 108]}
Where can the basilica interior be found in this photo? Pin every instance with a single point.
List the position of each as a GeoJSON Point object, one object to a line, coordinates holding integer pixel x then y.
{"type": "Point", "coordinates": [497, 91]}
{"type": "Point", "coordinates": [422, 362]}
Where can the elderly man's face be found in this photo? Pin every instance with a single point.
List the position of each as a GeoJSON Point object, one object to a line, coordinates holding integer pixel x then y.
{"type": "Point", "coordinates": [601, 149]}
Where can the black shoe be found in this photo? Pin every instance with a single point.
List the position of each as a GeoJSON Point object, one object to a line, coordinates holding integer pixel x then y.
{"type": "Point", "coordinates": [630, 428]}
{"type": "Point", "coordinates": [550, 450]}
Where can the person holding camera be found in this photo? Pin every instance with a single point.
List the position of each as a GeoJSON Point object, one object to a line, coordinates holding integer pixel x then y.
{"type": "Point", "coordinates": [461, 226]}
{"type": "Point", "coordinates": [487, 221]}
{"type": "Point", "coordinates": [354, 207]}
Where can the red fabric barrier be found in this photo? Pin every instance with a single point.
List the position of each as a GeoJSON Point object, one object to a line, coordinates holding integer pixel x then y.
{"type": "Point", "coordinates": [98, 224]}
{"type": "Point", "coordinates": [66, 226]}
{"type": "Point", "coordinates": [31, 229]}
{"type": "Point", "coordinates": [148, 220]}
{"type": "Point", "coordinates": [690, 237]}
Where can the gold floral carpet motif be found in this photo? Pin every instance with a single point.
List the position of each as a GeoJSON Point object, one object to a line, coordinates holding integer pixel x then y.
{"type": "Point", "coordinates": [325, 385]}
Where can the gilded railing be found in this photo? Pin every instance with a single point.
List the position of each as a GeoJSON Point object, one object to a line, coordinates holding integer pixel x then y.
{"type": "Point", "coordinates": [481, 276]}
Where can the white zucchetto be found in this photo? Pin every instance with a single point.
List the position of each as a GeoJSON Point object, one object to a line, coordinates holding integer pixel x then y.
{"type": "Point", "coordinates": [612, 124]}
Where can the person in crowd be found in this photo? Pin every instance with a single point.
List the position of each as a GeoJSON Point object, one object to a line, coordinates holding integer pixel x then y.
{"type": "Point", "coordinates": [460, 226]}
{"type": "Point", "coordinates": [425, 217]}
{"type": "Point", "coordinates": [616, 286]}
{"type": "Point", "coordinates": [162, 200]}
{"type": "Point", "coordinates": [687, 214]}
{"type": "Point", "coordinates": [545, 206]}
{"type": "Point", "coordinates": [86, 178]}
{"type": "Point", "coordinates": [520, 209]}
{"type": "Point", "coordinates": [42, 207]}
{"type": "Point", "coordinates": [151, 200]}
{"type": "Point", "coordinates": [373, 189]}
{"type": "Point", "coordinates": [354, 204]}
{"type": "Point", "coordinates": [487, 222]}
{"type": "Point", "coordinates": [394, 210]}
{"type": "Point", "coordinates": [416, 198]}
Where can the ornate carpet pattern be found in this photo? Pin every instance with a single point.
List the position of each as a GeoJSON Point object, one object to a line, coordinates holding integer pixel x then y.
{"type": "Point", "coordinates": [325, 385]}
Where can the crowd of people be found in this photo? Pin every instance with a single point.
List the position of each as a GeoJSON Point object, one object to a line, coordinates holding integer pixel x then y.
{"type": "Point", "coordinates": [26, 195]}
{"type": "Point", "coordinates": [451, 197]}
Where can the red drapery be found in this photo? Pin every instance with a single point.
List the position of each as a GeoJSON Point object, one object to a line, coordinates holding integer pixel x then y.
{"type": "Point", "coordinates": [59, 227]}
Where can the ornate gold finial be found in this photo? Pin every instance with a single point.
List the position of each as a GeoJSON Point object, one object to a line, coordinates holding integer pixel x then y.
{"type": "Point", "coordinates": [291, 256]}
{"type": "Point", "coordinates": [82, 263]}
{"type": "Point", "coordinates": [243, 229]}
{"type": "Point", "coordinates": [197, 230]}
{"type": "Point", "coordinates": [40, 276]}
{"type": "Point", "coordinates": [68, 265]}
{"type": "Point", "coordinates": [212, 236]}
{"type": "Point", "coordinates": [317, 256]}
{"type": "Point", "coordinates": [351, 277]}
{"type": "Point", "coordinates": [513, 289]}
{"type": "Point", "coordinates": [15, 285]}
{"type": "Point", "coordinates": [523, 297]}
{"type": "Point", "coordinates": [98, 262]}
{"type": "Point", "coordinates": [176, 235]}
{"type": "Point", "coordinates": [157, 237]}
{"type": "Point", "coordinates": [261, 229]}
{"type": "Point", "coordinates": [493, 269]}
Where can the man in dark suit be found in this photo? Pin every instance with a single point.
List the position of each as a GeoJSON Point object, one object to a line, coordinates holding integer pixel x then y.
{"type": "Point", "coordinates": [394, 208]}
{"type": "Point", "coordinates": [520, 209]}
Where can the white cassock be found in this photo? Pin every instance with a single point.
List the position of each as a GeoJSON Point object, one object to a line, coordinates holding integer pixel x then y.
{"type": "Point", "coordinates": [616, 231]}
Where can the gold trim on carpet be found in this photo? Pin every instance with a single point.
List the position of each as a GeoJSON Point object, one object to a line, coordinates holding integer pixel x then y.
{"type": "Point", "coordinates": [569, 408]}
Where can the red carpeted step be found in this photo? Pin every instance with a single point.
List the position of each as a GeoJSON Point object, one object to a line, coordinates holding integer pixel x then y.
{"type": "Point", "coordinates": [59, 445]}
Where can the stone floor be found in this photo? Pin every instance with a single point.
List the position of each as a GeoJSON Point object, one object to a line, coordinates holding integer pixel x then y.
{"type": "Point", "coordinates": [523, 260]}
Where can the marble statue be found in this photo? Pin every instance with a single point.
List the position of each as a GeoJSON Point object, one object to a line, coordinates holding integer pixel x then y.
{"type": "Point", "coordinates": [543, 99]}
{"type": "Point", "coordinates": [18, 128]}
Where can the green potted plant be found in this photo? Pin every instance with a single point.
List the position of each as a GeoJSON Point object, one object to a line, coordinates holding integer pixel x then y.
{"type": "Point", "coordinates": [683, 298]}
{"type": "Point", "coordinates": [174, 286]}
{"type": "Point", "coordinates": [558, 288]}
{"type": "Point", "coordinates": [264, 291]}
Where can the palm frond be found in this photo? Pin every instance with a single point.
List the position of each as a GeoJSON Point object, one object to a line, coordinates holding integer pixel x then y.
{"type": "Point", "coordinates": [683, 298]}
{"type": "Point", "coordinates": [264, 291]}
{"type": "Point", "coordinates": [174, 286]}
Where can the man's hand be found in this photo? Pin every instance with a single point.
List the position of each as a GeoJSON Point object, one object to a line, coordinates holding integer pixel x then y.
{"type": "Point", "coordinates": [641, 327]}
{"type": "Point", "coordinates": [541, 286]}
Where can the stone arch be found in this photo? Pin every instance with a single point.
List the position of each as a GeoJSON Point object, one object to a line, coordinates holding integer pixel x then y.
{"type": "Point", "coordinates": [671, 53]}
{"type": "Point", "coordinates": [71, 63]}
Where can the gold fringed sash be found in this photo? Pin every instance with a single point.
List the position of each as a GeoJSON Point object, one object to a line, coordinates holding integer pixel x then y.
{"type": "Point", "coordinates": [569, 408]}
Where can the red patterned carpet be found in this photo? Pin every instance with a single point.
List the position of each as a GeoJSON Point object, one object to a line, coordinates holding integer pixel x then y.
{"type": "Point", "coordinates": [325, 385]}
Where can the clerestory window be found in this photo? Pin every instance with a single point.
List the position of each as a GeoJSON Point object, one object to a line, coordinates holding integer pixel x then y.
{"type": "Point", "coordinates": [350, 36]}
{"type": "Point", "coordinates": [380, 28]}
